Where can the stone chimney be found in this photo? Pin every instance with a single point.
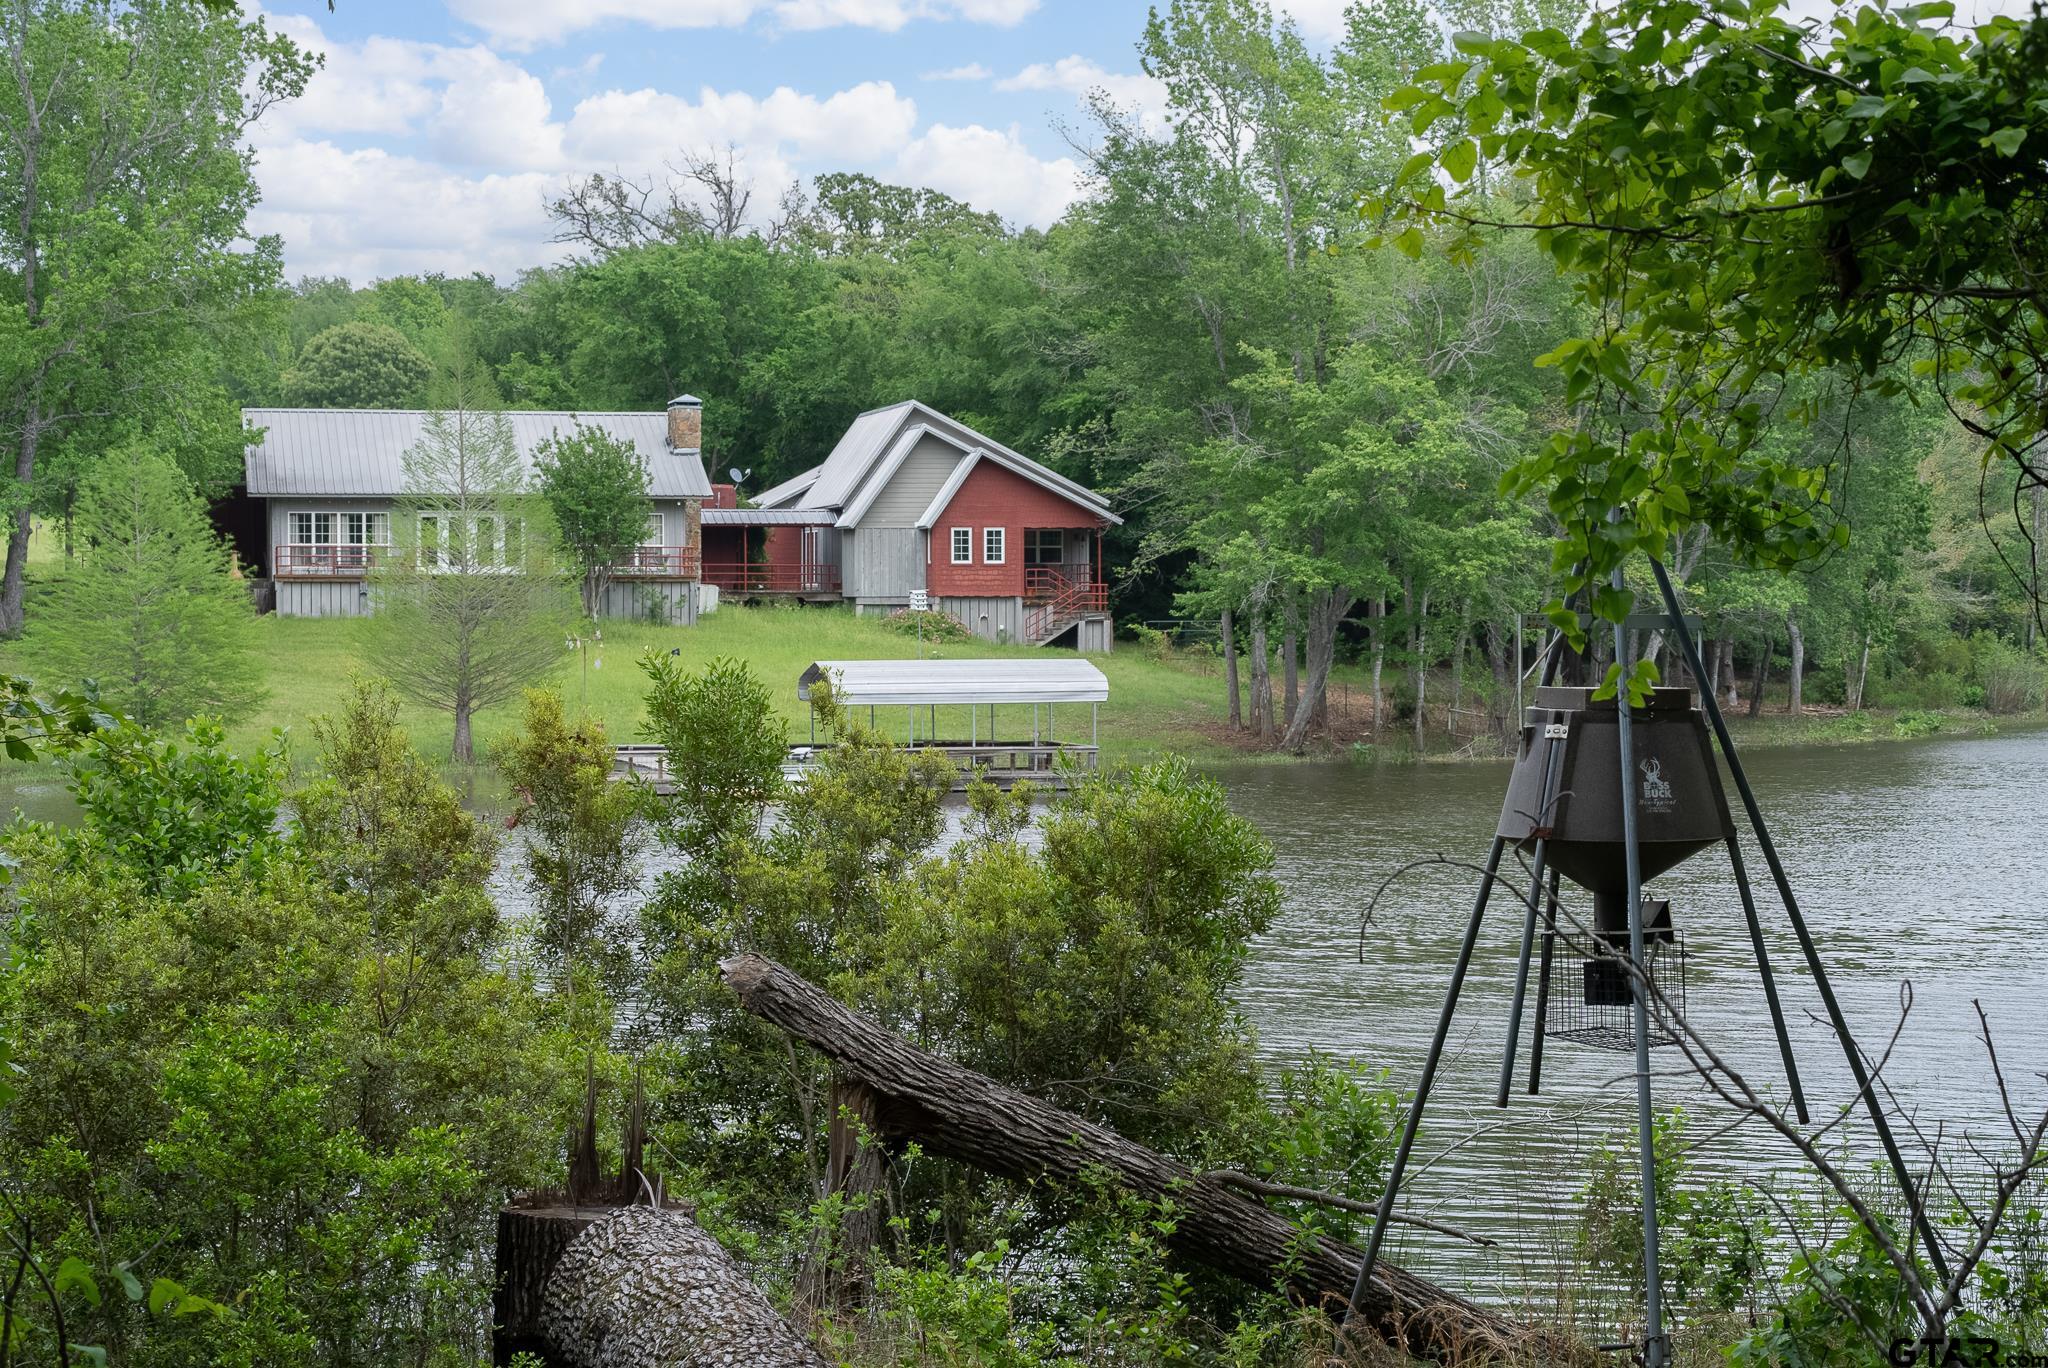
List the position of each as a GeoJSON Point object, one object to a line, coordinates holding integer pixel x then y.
{"type": "Point", "coordinates": [686, 423]}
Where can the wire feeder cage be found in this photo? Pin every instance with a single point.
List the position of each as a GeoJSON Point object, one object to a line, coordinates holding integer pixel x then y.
{"type": "Point", "coordinates": [1592, 1001]}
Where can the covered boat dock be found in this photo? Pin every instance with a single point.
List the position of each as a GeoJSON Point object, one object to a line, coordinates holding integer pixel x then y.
{"type": "Point", "coordinates": [1008, 710]}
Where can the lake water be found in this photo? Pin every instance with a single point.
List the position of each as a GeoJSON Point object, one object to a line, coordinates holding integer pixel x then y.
{"type": "Point", "coordinates": [1913, 861]}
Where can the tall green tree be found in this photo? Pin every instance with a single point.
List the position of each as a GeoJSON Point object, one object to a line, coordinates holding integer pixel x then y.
{"type": "Point", "coordinates": [357, 365]}
{"type": "Point", "coordinates": [472, 603]}
{"type": "Point", "coordinates": [151, 608]}
{"type": "Point", "coordinates": [125, 186]}
{"type": "Point", "coordinates": [595, 485]}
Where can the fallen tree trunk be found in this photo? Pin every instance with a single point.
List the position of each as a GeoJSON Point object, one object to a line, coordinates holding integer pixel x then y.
{"type": "Point", "coordinates": [641, 1288]}
{"type": "Point", "coordinates": [960, 1114]}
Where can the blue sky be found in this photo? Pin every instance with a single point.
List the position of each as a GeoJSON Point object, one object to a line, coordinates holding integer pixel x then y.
{"type": "Point", "coordinates": [439, 127]}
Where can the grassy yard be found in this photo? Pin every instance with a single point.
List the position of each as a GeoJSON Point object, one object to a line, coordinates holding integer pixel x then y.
{"type": "Point", "coordinates": [1154, 706]}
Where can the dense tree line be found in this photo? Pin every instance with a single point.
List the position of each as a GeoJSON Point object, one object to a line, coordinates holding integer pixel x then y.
{"type": "Point", "coordinates": [1307, 415]}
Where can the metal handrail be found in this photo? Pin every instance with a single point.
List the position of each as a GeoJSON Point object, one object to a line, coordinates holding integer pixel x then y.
{"type": "Point", "coordinates": [326, 559]}
{"type": "Point", "coordinates": [763, 577]}
{"type": "Point", "coordinates": [657, 562]}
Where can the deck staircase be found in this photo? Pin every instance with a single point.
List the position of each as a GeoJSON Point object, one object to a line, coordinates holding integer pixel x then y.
{"type": "Point", "coordinates": [1057, 602]}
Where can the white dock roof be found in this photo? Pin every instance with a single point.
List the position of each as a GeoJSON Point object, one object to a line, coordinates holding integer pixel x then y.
{"type": "Point", "coordinates": [874, 683]}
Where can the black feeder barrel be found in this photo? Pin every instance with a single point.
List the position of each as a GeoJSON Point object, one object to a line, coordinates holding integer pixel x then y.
{"type": "Point", "coordinates": [1679, 809]}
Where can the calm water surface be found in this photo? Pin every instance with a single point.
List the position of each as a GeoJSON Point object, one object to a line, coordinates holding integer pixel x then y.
{"type": "Point", "coordinates": [1914, 862]}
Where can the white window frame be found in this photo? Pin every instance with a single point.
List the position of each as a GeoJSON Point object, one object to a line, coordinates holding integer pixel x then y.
{"type": "Point", "coordinates": [319, 527]}
{"type": "Point", "coordinates": [480, 558]}
{"type": "Point", "coordinates": [963, 546]}
{"type": "Point", "coordinates": [994, 545]}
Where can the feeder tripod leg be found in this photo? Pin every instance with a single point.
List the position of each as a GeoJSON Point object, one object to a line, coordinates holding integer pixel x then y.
{"type": "Point", "coordinates": [1507, 1062]}
{"type": "Point", "coordinates": [1543, 987]}
{"type": "Point", "coordinates": [1507, 1059]}
{"type": "Point", "coordinates": [1763, 968]}
{"type": "Point", "coordinates": [1907, 1185]}
{"type": "Point", "coordinates": [1429, 1064]}
{"type": "Point", "coordinates": [1656, 1352]}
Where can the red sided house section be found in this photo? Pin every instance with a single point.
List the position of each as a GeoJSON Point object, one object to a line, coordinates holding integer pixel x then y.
{"type": "Point", "coordinates": [1005, 536]}
{"type": "Point", "coordinates": [754, 552]}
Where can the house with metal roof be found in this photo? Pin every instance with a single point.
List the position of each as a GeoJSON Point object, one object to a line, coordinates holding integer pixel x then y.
{"type": "Point", "coordinates": [911, 505]}
{"type": "Point", "coordinates": [326, 482]}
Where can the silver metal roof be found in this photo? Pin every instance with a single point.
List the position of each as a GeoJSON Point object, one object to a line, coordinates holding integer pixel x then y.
{"type": "Point", "coordinates": [875, 683]}
{"type": "Point", "coordinates": [871, 437]}
{"type": "Point", "coordinates": [353, 453]}
{"type": "Point", "coordinates": [768, 517]}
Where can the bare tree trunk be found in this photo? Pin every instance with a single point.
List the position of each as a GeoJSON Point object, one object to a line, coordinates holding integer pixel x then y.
{"type": "Point", "coordinates": [1727, 682]}
{"type": "Point", "coordinates": [1418, 641]}
{"type": "Point", "coordinates": [1227, 631]}
{"type": "Point", "coordinates": [1794, 705]}
{"type": "Point", "coordinates": [1379, 661]}
{"type": "Point", "coordinates": [1763, 674]}
{"type": "Point", "coordinates": [1290, 672]}
{"type": "Point", "coordinates": [1862, 676]}
{"type": "Point", "coordinates": [465, 751]}
{"type": "Point", "coordinates": [1458, 661]}
{"type": "Point", "coordinates": [956, 1113]}
{"type": "Point", "coordinates": [2034, 564]}
{"type": "Point", "coordinates": [1326, 609]}
{"type": "Point", "coordinates": [1499, 646]}
{"type": "Point", "coordinates": [1262, 681]}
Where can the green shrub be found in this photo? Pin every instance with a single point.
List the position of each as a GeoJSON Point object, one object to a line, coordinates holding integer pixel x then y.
{"type": "Point", "coordinates": [2011, 680]}
{"type": "Point", "coordinates": [1917, 722]}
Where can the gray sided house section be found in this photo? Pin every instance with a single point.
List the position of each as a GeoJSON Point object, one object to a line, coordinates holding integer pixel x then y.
{"type": "Point", "coordinates": [884, 551]}
{"type": "Point", "coordinates": [352, 461]}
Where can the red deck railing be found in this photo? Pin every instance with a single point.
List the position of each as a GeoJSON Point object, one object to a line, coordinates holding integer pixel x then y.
{"type": "Point", "coordinates": [746, 577]}
{"type": "Point", "coordinates": [326, 562]}
{"type": "Point", "coordinates": [1068, 586]}
{"type": "Point", "coordinates": [657, 562]}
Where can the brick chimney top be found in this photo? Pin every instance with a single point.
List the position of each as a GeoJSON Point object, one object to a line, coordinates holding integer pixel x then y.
{"type": "Point", "coordinates": [685, 423]}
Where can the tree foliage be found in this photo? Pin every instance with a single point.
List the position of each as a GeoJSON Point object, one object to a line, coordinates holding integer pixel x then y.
{"type": "Point", "coordinates": [275, 1086]}
{"type": "Point", "coordinates": [1743, 204]}
{"type": "Point", "coordinates": [152, 609]}
{"type": "Point", "coordinates": [357, 365]}
{"type": "Point", "coordinates": [125, 187]}
{"type": "Point", "coordinates": [595, 486]}
{"type": "Point", "coordinates": [470, 602]}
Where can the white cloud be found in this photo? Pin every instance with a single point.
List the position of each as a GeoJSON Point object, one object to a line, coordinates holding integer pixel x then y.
{"type": "Point", "coordinates": [1080, 77]}
{"type": "Point", "coordinates": [973, 71]}
{"type": "Point", "coordinates": [640, 127]}
{"type": "Point", "coordinates": [465, 149]}
{"type": "Point", "coordinates": [525, 23]}
{"type": "Point", "coordinates": [369, 213]}
{"type": "Point", "coordinates": [1321, 21]}
{"type": "Point", "coordinates": [992, 171]}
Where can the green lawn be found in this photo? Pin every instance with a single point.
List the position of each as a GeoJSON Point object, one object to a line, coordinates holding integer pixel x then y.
{"type": "Point", "coordinates": [1154, 706]}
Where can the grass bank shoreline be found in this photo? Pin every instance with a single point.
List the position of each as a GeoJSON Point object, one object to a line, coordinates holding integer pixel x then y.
{"type": "Point", "coordinates": [1160, 701]}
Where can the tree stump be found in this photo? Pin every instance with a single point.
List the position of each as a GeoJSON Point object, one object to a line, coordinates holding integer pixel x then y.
{"type": "Point", "coordinates": [641, 1288]}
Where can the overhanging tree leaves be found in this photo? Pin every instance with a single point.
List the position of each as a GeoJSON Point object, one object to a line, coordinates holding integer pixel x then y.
{"type": "Point", "coordinates": [1742, 199]}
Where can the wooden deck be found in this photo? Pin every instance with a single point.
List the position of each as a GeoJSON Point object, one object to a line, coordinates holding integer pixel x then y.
{"type": "Point", "coordinates": [1004, 764]}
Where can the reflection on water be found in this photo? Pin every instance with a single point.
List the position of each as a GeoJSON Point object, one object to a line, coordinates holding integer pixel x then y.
{"type": "Point", "coordinates": [1912, 861]}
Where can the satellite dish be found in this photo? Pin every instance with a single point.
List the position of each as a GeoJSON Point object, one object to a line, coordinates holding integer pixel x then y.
{"type": "Point", "coordinates": [738, 476]}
